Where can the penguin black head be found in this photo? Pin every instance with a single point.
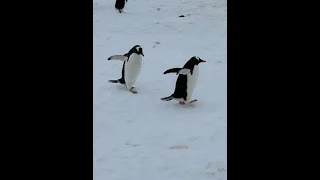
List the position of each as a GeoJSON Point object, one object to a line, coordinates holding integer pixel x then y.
{"type": "Point", "coordinates": [138, 50]}
{"type": "Point", "coordinates": [196, 60]}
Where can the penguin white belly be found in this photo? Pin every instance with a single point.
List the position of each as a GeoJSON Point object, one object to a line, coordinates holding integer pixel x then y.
{"type": "Point", "coordinates": [132, 69]}
{"type": "Point", "coordinates": [192, 82]}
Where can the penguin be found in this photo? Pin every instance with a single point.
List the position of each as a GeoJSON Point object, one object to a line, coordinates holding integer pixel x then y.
{"type": "Point", "coordinates": [120, 5]}
{"type": "Point", "coordinates": [131, 67]}
{"type": "Point", "coordinates": [186, 81]}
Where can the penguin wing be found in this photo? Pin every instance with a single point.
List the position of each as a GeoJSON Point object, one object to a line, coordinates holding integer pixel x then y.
{"type": "Point", "coordinates": [118, 57]}
{"type": "Point", "coordinates": [183, 71]}
{"type": "Point", "coordinates": [173, 70]}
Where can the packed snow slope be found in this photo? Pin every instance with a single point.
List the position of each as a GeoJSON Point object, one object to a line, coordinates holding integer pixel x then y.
{"type": "Point", "coordinates": [138, 136]}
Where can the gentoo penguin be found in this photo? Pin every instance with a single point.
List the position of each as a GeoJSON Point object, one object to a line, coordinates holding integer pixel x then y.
{"type": "Point", "coordinates": [120, 5]}
{"type": "Point", "coordinates": [186, 82]}
{"type": "Point", "coordinates": [131, 67]}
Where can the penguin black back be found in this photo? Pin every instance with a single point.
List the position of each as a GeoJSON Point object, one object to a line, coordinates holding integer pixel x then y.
{"type": "Point", "coordinates": [181, 86]}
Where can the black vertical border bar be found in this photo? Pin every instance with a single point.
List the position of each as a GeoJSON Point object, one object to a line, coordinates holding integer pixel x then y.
{"type": "Point", "coordinates": [246, 76]}
{"type": "Point", "coordinates": [51, 85]}
{"type": "Point", "coordinates": [69, 86]}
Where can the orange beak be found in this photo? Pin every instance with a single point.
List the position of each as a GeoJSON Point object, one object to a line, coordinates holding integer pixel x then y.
{"type": "Point", "coordinates": [204, 61]}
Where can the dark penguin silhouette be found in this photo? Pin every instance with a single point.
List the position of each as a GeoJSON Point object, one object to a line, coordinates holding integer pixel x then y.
{"type": "Point", "coordinates": [186, 82]}
{"type": "Point", "coordinates": [131, 67]}
{"type": "Point", "coordinates": [120, 5]}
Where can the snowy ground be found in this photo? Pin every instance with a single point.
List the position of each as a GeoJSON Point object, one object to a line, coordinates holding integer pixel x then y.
{"type": "Point", "coordinates": [133, 133]}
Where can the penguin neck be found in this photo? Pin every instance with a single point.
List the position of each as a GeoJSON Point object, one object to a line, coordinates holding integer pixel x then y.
{"type": "Point", "coordinates": [189, 66]}
{"type": "Point", "coordinates": [135, 57]}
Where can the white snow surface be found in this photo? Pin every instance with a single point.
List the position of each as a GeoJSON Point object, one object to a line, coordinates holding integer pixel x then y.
{"type": "Point", "coordinates": [133, 133]}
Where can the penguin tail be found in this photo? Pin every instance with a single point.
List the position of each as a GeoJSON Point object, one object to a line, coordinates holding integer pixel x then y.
{"type": "Point", "coordinates": [113, 81]}
{"type": "Point", "coordinates": [121, 81]}
{"type": "Point", "coordinates": [169, 98]}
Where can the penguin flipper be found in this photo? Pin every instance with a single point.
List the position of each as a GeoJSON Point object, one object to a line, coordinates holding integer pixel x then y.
{"type": "Point", "coordinates": [183, 71]}
{"type": "Point", "coordinates": [118, 57]}
{"type": "Point", "coordinates": [173, 70]}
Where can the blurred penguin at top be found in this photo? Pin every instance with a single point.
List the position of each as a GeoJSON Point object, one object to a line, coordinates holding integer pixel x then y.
{"type": "Point", "coordinates": [120, 5]}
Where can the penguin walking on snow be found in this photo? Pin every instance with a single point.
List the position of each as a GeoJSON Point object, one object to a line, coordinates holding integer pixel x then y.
{"type": "Point", "coordinates": [131, 67]}
{"type": "Point", "coordinates": [120, 5]}
{"type": "Point", "coordinates": [186, 82]}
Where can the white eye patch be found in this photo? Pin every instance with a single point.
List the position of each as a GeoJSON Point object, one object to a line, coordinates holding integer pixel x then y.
{"type": "Point", "coordinates": [138, 48]}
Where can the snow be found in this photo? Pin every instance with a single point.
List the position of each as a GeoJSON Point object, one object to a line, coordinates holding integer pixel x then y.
{"type": "Point", "coordinates": [134, 133]}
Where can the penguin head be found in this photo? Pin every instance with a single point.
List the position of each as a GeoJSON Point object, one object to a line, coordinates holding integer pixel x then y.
{"type": "Point", "coordinates": [196, 60]}
{"type": "Point", "coordinates": [138, 50]}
